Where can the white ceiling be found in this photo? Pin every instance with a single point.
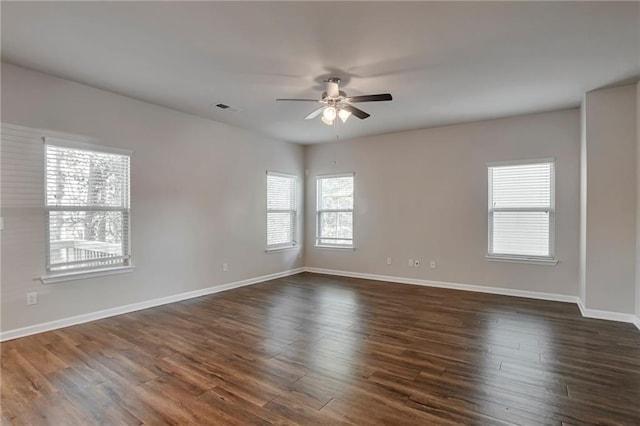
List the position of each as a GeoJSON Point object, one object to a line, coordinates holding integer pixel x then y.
{"type": "Point", "coordinates": [443, 62]}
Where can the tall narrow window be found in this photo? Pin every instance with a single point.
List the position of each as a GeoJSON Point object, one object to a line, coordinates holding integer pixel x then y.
{"type": "Point", "coordinates": [521, 210]}
{"type": "Point", "coordinates": [87, 207]}
{"type": "Point", "coordinates": [334, 211]}
{"type": "Point", "coordinates": [281, 210]}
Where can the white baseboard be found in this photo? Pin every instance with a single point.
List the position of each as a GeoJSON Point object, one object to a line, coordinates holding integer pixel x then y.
{"type": "Point", "coordinates": [453, 286]}
{"type": "Point", "coordinates": [588, 313]}
{"type": "Point", "coordinates": [606, 315]}
{"type": "Point", "coordinates": [118, 310]}
{"type": "Point", "coordinates": [93, 316]}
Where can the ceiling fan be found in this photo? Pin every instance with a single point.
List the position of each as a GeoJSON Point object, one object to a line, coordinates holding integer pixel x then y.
{"type": "Point", "coordinates": [336, 103]}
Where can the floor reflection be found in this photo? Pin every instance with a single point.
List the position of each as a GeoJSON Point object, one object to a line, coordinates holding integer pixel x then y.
{"type": "Point", "coordinates": [514, 342]}
{"type": "Point", "coordinates": [337, 311]}
{"type": "Point", "coordinates": [320, 338]}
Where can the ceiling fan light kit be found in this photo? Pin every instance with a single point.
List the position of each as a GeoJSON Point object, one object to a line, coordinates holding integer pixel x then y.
{"type": "Point", "coordinates": [338, 104]}
{"type": "Point", "coordinates": [344, 115]}
{"type": "Point", "coordinates": [329, 113]}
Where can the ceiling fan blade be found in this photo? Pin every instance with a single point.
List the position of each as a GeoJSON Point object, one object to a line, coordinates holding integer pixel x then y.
{"type": "Point", "coordinates": [315, 113]}
{"type": "Point", "coordinates": [299, 100]}
{"type": "Point", "coordinates": [356, 111]}
{"type": "Point", "coordinates": [371, 98]}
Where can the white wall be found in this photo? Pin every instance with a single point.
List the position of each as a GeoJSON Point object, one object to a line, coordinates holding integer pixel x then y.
{"type": "Point", "coordinates": [610, 199]}
{"type": "Point", "coordinates": [197, 191]}
{"type": "Point", "coordinates": [423, 195]}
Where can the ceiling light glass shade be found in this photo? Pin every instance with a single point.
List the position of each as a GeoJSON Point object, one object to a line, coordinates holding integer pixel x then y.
{"type": "Point", "coordinates": [344, 115]}
{"type": "Point", "coordinates": [325, 121]}
{"type": "Point", "coordinates": [329, 113]}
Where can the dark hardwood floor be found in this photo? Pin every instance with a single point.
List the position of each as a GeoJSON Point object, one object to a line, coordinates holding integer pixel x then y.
{"type": "Point", "coordinates": [314, 349]}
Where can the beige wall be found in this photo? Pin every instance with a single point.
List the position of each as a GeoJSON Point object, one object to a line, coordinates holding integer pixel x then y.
{"type": "Point", "coordinates": [197, 190]}
{"type": "Point", "coordinates": [198, 200]}
{"type": "Point", "coordinates": [638, 201]}
{"type": "Point", "coordinates": [582, 266]}
{"type": "Point", "coordinates": [423, 195]}
{"type": "Point", "coordinates": [610, 199]}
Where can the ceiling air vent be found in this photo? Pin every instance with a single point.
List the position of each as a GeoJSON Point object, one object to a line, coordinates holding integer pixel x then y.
{"type": "Point", "coordinates": [228, 108]}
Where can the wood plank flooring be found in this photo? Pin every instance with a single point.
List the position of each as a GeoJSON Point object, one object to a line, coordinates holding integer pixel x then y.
{"type": "Point", "coordinates": [314, 349]}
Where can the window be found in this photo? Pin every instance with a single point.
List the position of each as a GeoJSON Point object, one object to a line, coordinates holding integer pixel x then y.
{"type": "Point", "coordinates": [87, 207]}
{"type": "Point", "coordinates": [334, 211]}
{"type": "Point", "coordinates": [521, 210]}
{"type": "Point", "coordinates": [281, 210]}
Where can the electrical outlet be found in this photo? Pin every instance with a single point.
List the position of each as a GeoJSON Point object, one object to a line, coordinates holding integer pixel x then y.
{"type": "Point", "coordinates": [225, 267]}
{"type": "Point", "coordinates": [32, 298]}
{"type": "Point", "coordinates": [410, 263]}
{"type": "Point", "coordinates": [389, 261]}
{"type": "Point", "coordinates": [433, 264]}
{"type": "Point", "coordinates": [416, 263]}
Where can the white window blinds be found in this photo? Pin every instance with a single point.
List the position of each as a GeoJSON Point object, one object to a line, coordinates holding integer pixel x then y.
{"type": "Point", "coordinates": [281, 210]}
{"type": "Point", "coordinates": [334, 210]}
{"type": "Point", "coordinates": [521, 209]}
{"type": "Point", "coordinates": [87, 207]}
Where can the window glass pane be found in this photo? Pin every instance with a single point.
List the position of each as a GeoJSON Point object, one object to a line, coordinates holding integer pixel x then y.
{"type": "Point", "coordinates": [521, 233]}
{"type": "Point", "coordinates": [281, 210]}
{"type": "Point", "coordinates": [336, 225]}
{"type": "Point", "coordinates": [76, 178]}
{"type": "Point", "coordinates": [519, 186]}
{"type": "Point", "coordinates": [336, 193]}
{"type": "Point", "coordinates": [281, 192]}
{"type": "Point", "coordinates": [280, 227]}
{"type": "Point", "coordinates": [80, 235]}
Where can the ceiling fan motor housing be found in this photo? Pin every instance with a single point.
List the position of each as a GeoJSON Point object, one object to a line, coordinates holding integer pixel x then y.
{"type": "Point", "coordinates": [333, 87]}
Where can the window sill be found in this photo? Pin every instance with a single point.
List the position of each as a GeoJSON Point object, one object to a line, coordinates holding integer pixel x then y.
{"type": "Point", "coordinates": [277, 249]}
{"type": "Point", "coordinates": [345, 248]}
{"type": "Point", "coordinates": [529, 260]}
{"type": "Point", "coordinates": [80, 275]}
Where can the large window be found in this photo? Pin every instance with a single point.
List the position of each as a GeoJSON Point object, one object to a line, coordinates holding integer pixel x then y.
{"type": "Point", "coordinates": [87, 207]}
{"type": "Point", "coordinates": [281, 210]}
{"type": "Point", "coordinates": [521, 210]}
{"type": "Point", "coordinates": [334, 211]}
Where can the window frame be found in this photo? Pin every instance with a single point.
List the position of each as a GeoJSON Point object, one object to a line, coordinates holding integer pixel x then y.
{"type": "Point", "coordinates": [319, 212]}
{"type": "Point", "coordinates": [550, 259]}
{"type": "Point", "coordinates": [69, 274]}
{"type": "Point", "coordinates": [293, 212]}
